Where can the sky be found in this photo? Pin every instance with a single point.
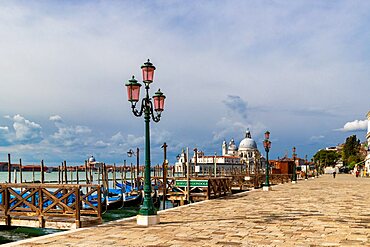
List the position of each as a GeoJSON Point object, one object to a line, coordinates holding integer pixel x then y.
{"type": "Point", "coordinates": [299, 69]}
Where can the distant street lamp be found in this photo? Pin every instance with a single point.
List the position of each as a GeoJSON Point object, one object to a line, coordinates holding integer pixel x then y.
{"type": "Point", "coordinates": [306, 178]}
{"type": "Point", "coordinates": [294, 177]}
{"type": "Point", "coordinates": [147, 214]}
{"type": "Point", "coordinates": [137, 154]}
{"type": "Point", "coordinates": [267, 146]}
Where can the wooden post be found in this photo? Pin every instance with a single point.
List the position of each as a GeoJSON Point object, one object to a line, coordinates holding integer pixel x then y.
{"type": "Point", "coordinates": [99, 170]}
{"type": "Point", "coordinates": [33, 174]}
{"type": "Point", "coordinates": [41, 207]}
{"type": "Point", "coordinates": [99, 201]}
{"type": "Point", "coordinates": [58, 174]}
{"type": "Point", "coordinates": [91, 175]}
{"type": "Point", "coordinates": [137, 167]}
{"type": "Point", "coordinates": [6, 207]}
{"type": "Point", "coordinates": [86, 173]}
{"type": "Point", "coordinates": [9, 169]}
{"type": "Point", "coordinates": [114, 175]}
{"type": "Point", "coordinates": [132, 182]}
{"type": "Point", "coordinates": [77, 177]}
{"type": "Point", "coordinates": [15, 175]}
{"type": "Point", "coordinates": [86, 177]}
{"type": "Point", "coordinates": [78, 213]}
{"type": "Point", "coordinates": [42, 172]}
{"type": "Point", "coordinates": [20, 170]}
{"type": "Point", "coordinates": [65, 172]}
{"type": "Point", "coordinates": [164, 146]}
{"type": "Point", "coordinates": [125, 169]}
{"type": "Point", "coordinates": [71, 173]}
{"type": "Point", "coordinates": [121, 174]}
{"type": "Point", "coordinates": [61, 173]}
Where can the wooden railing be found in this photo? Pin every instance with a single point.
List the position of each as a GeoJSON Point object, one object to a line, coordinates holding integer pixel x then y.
{"type": "Point", "coordinates": [44, 201]}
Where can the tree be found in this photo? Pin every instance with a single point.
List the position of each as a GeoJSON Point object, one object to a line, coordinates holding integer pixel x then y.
{"type": "Point", "coordinates": [326, 157]}
{"type": "Point", "coordinates": [351, 150]}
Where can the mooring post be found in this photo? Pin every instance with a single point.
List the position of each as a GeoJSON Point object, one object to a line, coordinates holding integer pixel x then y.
{"type": "Point", "coordinates": [71, 173]}
{"type": "Point", "coordinates": [15, 175]}
{"type": "Point", "coordinates": [7, 206]}
{"type": "Point", "coordinates": [99, 169]}
{"type": "Point", "coordinates": [41, 208]}
{"type": "Point", "coordinates": [114, 175]}
{"type": "Point", "coordinates": [65, 171]}
{"type": "Point", "coordinates": [42, 172]}
{"type": "Point", "coordinates": [77, 177]}
{"type": "Point", "coordinates": [124, 169]}
{"type": "Point", "coordinates": [78, 212]}
{"type": "Point", "coordinates": [9, 169]}
{"type": "Point", "coordinates": [20, 170]}
{"type": "Point", "coordinates": [164, 146]}
{"type": "Point", "coordinates": [58, 174]}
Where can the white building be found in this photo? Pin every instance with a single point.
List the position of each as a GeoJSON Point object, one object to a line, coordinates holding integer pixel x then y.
{"type": "Point", "coordinates": [232, 158]}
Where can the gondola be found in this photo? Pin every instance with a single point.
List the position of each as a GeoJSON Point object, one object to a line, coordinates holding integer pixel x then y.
{"type": "Point", "coordinates": [132, 194]}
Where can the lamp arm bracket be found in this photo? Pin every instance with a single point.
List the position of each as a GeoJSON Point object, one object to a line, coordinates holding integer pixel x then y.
{"type": "Point", "coordinates": [157, 117]}
{"type": "Point", "coordinates": [135, 111]}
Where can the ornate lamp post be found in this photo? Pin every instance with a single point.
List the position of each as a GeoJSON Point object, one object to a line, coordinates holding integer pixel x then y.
{"type": "Point", "coordinates": [137, 154]}
{"type": "Point", "coordinates": [294, 177]}
{"type": "Point", "coordinates": [147, 214]}
{"type": "Point", "coordinates": [267, 146]}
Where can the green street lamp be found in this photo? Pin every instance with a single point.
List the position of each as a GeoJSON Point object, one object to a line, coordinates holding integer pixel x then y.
{"type": "Point", "coordinates": [131, 153]}
{"type": "Point", "coordinates": [147, 214]}
{"type": "Point", "coordinates": [267, 146]}
{"type": "Point", "coordinates": [294, 176]}
{"type": "Point", "coordinates": [306, 178]}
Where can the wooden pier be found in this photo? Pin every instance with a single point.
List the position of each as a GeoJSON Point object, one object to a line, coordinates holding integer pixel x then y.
{"type": "Point", "coordinates": [49, 205]}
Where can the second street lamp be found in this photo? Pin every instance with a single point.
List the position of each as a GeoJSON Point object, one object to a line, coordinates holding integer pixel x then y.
{"type": "Point", "coordinates": [147, 213]}
{"type": "Point", "coordinates": [294, 175]}
{"type": "Point", "coordinates": [306, 173]}
{"type": "Point", "coordinates": [267, 146]}
{"type": "Point", "coordinates": [137, 154]}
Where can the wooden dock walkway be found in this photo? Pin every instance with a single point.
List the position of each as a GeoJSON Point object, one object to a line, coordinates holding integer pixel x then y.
{"type": "Point", "coordinates": [58, 206]}
{"type": "Point", "coordinates": [318, 212]}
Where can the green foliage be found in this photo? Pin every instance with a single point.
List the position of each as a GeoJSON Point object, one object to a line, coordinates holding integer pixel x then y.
{"type": "Point", "coordinates": [351, 150]}
{"type": "Point", "coordinates": [326, 157]}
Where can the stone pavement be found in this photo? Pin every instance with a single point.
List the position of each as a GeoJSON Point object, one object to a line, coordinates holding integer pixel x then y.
{"type": "Point", "coordinates": [318, 212]}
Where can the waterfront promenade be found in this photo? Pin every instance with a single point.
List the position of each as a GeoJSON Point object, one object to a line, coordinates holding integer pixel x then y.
{"type": "Point", "coordinates": [318, 212]}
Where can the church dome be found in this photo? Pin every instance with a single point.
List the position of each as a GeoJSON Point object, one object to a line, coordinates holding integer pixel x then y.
{"type": "Point", "coordinates": [247, 142]}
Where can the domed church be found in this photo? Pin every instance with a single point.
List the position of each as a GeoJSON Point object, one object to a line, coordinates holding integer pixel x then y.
{"type": "Point", "coordinates": [240, 158]}
{"type": "Point", "coordinates": [247, 151]}
{"type": "Point", "coordinates": [247, 148]}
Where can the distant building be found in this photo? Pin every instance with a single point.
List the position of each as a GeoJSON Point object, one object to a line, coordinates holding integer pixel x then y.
{"type": "Point", "coordinates": [233, 157]}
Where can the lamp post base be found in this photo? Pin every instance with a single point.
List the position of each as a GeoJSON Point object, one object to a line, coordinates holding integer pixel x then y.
{"type": "Point", "coordinates": [266, 188]}
{"type": "Point", "coordinates": [294, 182]}
{"type": "Point", "coordinates": [147, 220]}
{"type": "Point", "coordinates": [306, 179]}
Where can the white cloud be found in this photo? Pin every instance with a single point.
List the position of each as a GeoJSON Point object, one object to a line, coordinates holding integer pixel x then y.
{"type": "Point", "coordinates": [356, 125]}
{"type": "Point", "coordinates": [69, 135]}
{"type": "Point", "coordinates": [101, 144]}
{"type": "Point", "coordinates": [25, 131]}
{"type": "Point", "coordinates": [55, 118]}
